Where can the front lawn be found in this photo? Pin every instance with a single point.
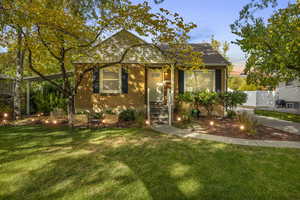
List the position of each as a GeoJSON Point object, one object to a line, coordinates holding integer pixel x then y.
{"type": "Point", "coordinates": [279, 115]}
{"type": "Point", "coordinates": [41, 163]}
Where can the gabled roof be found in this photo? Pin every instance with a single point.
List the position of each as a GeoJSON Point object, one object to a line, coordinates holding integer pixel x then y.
{"type": "Point", "coordinates": [210, 57]}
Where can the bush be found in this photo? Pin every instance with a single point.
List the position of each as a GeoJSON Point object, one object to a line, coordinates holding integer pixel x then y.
{"type": "Point", "coordinates": [231, 114]}
{"type": "Point", "coordinates": [204, 99]}
{"type": "Point", "coordinates": [249, 122]}
{"type": "Point", "coordinates": [127, 115]}
{"type": "Point", "coordinates": [233, 99]}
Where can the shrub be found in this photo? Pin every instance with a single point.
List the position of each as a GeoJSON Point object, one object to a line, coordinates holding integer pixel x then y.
{"type": "Point", "coordinates": [233, 99]}
{"type": "Point", "coordinates": [206, 99]}
{"type": "Point", "coordinates": [127, 115]}
{"type": "Point", "coordinates": [109, 112]}
{"type": "Point", "coordinates": [249, 122]}
{"type": "Point", "coordinates": [231, 114]}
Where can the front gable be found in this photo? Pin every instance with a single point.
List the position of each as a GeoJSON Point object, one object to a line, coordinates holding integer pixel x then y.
{"type": "Point", "coordinates": [127, 47]}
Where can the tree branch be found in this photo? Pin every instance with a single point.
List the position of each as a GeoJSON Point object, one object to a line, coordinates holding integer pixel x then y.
{"type": "Point", "coordinates": [45, 44]}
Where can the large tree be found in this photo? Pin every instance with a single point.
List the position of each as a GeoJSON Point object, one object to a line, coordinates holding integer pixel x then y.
{"type": "Point", "coordinates": [12, 27]}
{"type": "Point", "coordinates": [62, 31]}
{"type": "Point", "coordinates": [272, 45]}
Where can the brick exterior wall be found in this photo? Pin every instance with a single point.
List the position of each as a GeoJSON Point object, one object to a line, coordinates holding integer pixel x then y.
{"type": "Point", "coordinates": [85, 99]}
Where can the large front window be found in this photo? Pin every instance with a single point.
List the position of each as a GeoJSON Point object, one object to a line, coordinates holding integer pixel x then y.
{"type": "Point", "coordinates": [199, 80]}
{"type": "Point", "coordinates": [110, 80]}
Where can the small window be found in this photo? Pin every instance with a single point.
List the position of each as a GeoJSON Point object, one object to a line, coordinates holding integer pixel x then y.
{"type": "Point", "coordinates": [110, 80]}
{"type": "Point", "coordinates": [199, 80]}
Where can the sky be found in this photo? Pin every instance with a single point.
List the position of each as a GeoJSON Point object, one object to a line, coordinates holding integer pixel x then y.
{"type": "Point", "coordinates": [213, 17]}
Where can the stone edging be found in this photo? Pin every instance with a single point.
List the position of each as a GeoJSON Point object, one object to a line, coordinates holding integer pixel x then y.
{"type": "Point", "coordinates": [228, 140]}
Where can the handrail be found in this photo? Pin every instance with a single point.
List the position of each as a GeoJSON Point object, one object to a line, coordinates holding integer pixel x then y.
{"type": "Point", "coordinates": [148, 106]}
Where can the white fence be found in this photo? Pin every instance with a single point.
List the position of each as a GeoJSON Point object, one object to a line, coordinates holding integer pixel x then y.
{"type": "Point", "coordinates": [260, 99]}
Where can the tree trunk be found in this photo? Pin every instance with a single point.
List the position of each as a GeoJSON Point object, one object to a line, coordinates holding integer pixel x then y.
{"type": "Point", "coordinates": [19, 78]}
{"type": "Point", "coordinates": [71, 111]}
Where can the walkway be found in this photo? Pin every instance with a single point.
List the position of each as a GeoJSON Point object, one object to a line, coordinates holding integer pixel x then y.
{"type": "Point", "coordinates": [287, 126]}
{"type": "Point", "coordinates": [189, 134]}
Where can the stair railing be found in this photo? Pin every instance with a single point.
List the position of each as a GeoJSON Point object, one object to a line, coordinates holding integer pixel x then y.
{"type": "Point", "coordinates": [170, 104]}
{"type": "Point", "coordinates": [148, 107]}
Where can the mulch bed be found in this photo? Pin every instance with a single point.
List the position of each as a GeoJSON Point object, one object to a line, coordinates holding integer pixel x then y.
{"type": "Point", "coordinates": [231, 128]}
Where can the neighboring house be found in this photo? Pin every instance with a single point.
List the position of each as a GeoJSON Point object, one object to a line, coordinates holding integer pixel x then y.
{"type": "Point", "coordinates": [289, 92]}
{"type": "Point", "coordinates": [141, 73]}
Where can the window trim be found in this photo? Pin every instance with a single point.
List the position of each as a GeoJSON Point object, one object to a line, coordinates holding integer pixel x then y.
{"type": "Point", "coordinates": [101, 82]}
{"type": "Point", "coordinates": [209, 70]}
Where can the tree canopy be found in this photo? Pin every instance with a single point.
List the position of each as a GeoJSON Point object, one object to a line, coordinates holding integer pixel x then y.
{"type": "Point", "coordinates": [56, 33]}
{"type": "Point", "coordinates": [272, 45]}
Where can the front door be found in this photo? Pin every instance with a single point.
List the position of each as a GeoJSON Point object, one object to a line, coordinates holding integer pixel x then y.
{"type": "Point", "coordinates": [155, 85]}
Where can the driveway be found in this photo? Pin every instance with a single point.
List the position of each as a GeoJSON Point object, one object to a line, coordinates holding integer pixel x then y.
{"type": "Point", "coordinates": [290, 127]}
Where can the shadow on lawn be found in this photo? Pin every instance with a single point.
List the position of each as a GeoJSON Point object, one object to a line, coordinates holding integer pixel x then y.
{"type": "Point", "coordinates": [135, 164]}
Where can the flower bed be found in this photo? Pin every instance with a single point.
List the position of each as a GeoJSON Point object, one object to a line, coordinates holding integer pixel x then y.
{"type": "Point", "coordinates": [232, 128]}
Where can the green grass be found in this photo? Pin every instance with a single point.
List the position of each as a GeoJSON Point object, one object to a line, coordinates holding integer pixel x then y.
{"type": "Point", "coordinates": [40, 163]}
{"type": "Point", "coordinates": [279, 115]}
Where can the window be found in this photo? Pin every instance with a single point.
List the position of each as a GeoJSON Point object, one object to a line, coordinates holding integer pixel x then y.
{"type": "Point", "coordinates": [110, 80]}
{"type": "Point", "coordinates": [199, 80]}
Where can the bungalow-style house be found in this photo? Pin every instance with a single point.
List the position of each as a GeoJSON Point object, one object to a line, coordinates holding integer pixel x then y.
{"type": "Point", "coordinates": [140, 82]}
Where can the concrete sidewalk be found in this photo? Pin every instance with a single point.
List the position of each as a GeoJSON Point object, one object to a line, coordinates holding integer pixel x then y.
{"type": "Point", "coordinates": [290, 127]}
{"type": "Point", "coordinates": [185, 133]}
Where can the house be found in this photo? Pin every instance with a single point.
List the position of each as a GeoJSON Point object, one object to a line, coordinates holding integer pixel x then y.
{"type": "Point", "coordinates": [289, 91]}
{"type": "Point", "coordinates": [141, 82]}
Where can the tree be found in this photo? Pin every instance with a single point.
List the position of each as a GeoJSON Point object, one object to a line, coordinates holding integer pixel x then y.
{"type": "Point", "coordinates": [61, 32]}
{"type": "Point", "coordinates": [11, 29]}
{"type": "Point", "coordinates": [272, 45]}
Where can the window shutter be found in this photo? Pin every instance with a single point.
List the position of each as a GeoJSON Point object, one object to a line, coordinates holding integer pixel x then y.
{"type": "Point", "coordinates": [96, 81]}
{"type": "Point", "coordinates": [124, 81]}
{"type": "Point", "coordinates": [181, 81]}
{"type": "Point", "coordinates": [218, 80]}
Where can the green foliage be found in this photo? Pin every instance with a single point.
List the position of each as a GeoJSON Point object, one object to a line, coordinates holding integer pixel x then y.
{"type": "Point", "coordinates": [279, 115]}
{"type": "Point", "coordinates": [249, 122]}
{"type": "Point", "coordinates": [233, 99]}
{"type": "Point", "coordinates": [272, 48]}
{"type": "Point", "coordinates": [231, 114]}
{"type": "Point", "coordinates": [204, 99]}
{"type": "Point", "coordinates": [45, 98]}
{"type": "Point", "coordinates": [109, 111]}
{"type": "Point", "coordinates": [240, 83]}
{"type": "Point", "coordinates": [127, 115]}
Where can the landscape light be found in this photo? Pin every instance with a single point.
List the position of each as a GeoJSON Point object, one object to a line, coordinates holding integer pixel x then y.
{"type": "Point", "coordinates": [54, 122]}
{"type": "Point", "coordinates": [5, 115]}
{"type": "Point", "coordinates": [103, 121]}
{"type": "Point", "coordinates": [46, 121]}
{"type": "Point", "coordinates": [211, 123]}
{"type": "Point", "coordinates": [242, 127]}
{"type": "Point", "coordinates": [179, 119]}
{"type": "Point", "coordinates": [147, 122]}
{"type": "Point", "coordinates": [32, 120]}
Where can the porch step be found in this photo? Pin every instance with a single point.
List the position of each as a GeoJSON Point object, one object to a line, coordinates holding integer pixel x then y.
{"type": "Point", "coordinates": [159, 113]}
